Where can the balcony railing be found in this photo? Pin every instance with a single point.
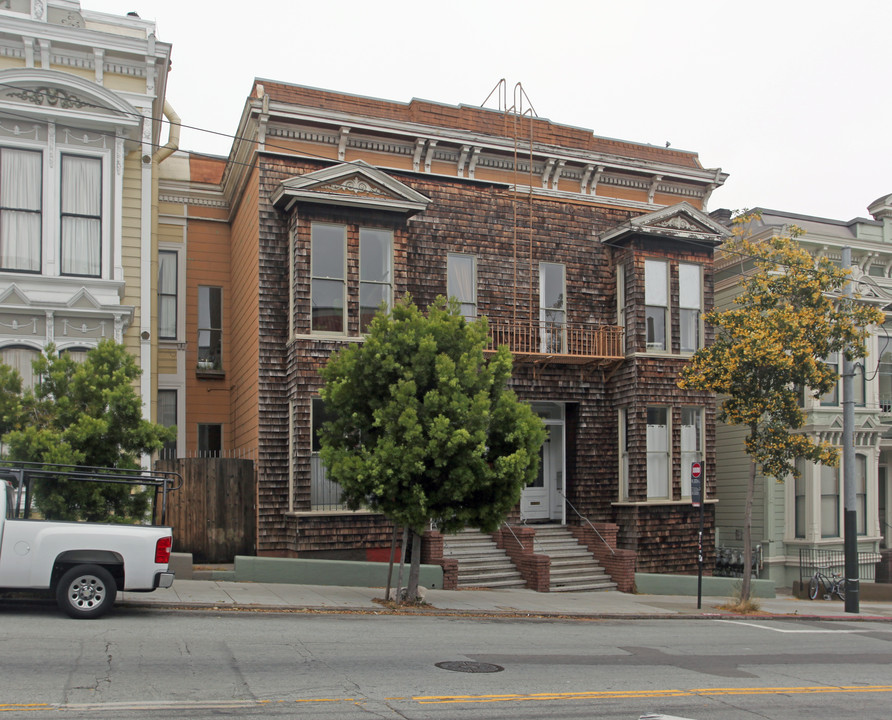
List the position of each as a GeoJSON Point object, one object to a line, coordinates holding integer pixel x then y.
{"type": "Point", "coordinates": [568, 343]}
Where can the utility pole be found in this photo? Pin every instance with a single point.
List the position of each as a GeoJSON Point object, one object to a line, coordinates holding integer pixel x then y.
{"type": "Point", "coordinates": [850, 525]}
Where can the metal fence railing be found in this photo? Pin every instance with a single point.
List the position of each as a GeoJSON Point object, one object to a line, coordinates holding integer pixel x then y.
{"type": "Point", "coordinates": [830, 561]}
{"type": "Point", "coordinates": [325, 494]}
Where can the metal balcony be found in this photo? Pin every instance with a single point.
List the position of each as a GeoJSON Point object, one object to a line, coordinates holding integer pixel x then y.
{"type": "Point", "coordinates": [572, 344]}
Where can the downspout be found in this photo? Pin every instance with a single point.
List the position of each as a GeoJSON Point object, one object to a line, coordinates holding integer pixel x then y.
{"type": "Point", "coordinates": [149, 320]}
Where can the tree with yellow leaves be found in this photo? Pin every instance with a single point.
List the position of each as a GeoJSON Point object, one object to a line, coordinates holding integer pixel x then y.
{"type": "Point", "coordinates": [771, 345]}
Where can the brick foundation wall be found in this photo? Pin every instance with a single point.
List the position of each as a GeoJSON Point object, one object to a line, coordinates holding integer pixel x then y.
{"type": "Point", "coordinates": [535, 569]}
{"type": "Point", "coordinates": [618, 563]}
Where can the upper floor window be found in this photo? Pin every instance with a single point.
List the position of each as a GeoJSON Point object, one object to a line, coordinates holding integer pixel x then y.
{"type": "Point", "coordinates": [859, 391]}
{"type": "Point", "coordinates": [799, 502]}
{"type": "Point", "coordinates": [552, 307]}
{"type": "Point", "coordinates": [21, 179]}
{"type": "Point", "coordinates": [656, 301]}
{"type": "Point", "coordinates": [690, 305]}
{"type": "Point", "coordinates": [167, 294]}
{"type": "Point", "coordinates": [210, 328]}
{"type": "Point", "coordinates": [461, 283]}
{"type": "Point", "coordinates": [81, 215]}
{"type": "Point", "coordinates": [375, 273]}
{"type": "Point", "coordinates": [328, 277]}
{"type": "Point", "coordinates": [861, 494]}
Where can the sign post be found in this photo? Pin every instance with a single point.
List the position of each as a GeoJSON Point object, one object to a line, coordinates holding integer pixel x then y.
{"type": "Point", "coordinates": [697, 483]}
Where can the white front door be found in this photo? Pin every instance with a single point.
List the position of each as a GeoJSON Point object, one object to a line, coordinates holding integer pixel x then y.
{"type": "Point", "coordinates": [542, 500]}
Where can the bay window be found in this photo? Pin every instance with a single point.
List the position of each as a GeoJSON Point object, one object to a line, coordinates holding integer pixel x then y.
{"type": "Point", "coordinates": [690, 303]}
{"type": "Point", "coordinates": [328, 278]}
{"type": "Point", "coordinates": [21, 180]}
{"type": "Point", "coordinates": [658, 465]}
{"type": "Point", "coordinates": [656, 301]}
{"type": "Point", "coordinates": [691, 445]}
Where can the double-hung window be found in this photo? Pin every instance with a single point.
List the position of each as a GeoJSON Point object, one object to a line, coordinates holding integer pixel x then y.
{"type": "Point", "coordinates": [861, 494]}
{"type": "Point", "coordinates": [829, 501]}
{"type": "Point", "coordinates": [328, 260]}
{"type": "Point", "coordinates": [690, 304]}
{"type": "Point", "coordinates": [691, 444]}
{"type": "Point", "coordinates": [656, 301]}
{"type": "Point", "coordinates": [461, 283]}
{"type": "Point", "coordinates": [167, 294]}
{"type": "Point", "coordinates": [831, 397]}
{"type": "Point", "coordinates": [552, 308]}
{"type": "Point", "coordinates": [375, 273]}
{"type": "Point", "coordinates": [20, 209]}
{"type": "Point", "coordinates": [210, 328]}
{"type": "Point", "coordinates": [81, 215]}
{"type": "Point", "coordinates": [799, 485]}
{"type": "Point", "coordinates": [658, 465]}
{"type": "Point", "coordinates": [167, 416]}
{"type": "Point", "coordinates": [624, 453]}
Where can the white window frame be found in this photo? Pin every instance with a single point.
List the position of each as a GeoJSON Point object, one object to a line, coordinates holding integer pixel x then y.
{"type": "Point", "coordinates": [623, 436]}
{"type": "Point", "coordinates": [18, 208]}
{"type": "Point", "coordinates": [688, 455]}
{"type": "Point", "coordinates": [552, 333]}
{"type": "Point", "coordinates": [164, 252]}
{"type": "Point", "coordinates": [321, 278]}
{"type": "Point", "coordinates": [690, 303]}
{"type": "Point", "coordinates": [656, 303]}
{"type": "Point", "coordinates": [468, 304]}
{"type": "Point", "coordinates": [385, 284]}
{"type": "Point", "coordinates": [659, 486]}
{"type": "Point", "coordinates": [832, 499]}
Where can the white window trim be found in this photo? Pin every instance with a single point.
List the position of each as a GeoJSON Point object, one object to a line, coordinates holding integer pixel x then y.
{"type": "Point", "coordinates": [473, 259]}
{"type": "Point", "coordinates": [345, 314]}
{"type": "Point", "coordinates": [667, 319]}
{"type": "Point", "coordinates": [361, 282]}
{"type": "Point", "coordinates": [180, 251]}
{"type": "Point", "coordinates": [668, 453]}
{"type": "Point", "coordinates": [699, 308]}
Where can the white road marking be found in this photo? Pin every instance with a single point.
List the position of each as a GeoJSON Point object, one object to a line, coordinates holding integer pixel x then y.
{"type": "Point", "coordinates": [806, 631]}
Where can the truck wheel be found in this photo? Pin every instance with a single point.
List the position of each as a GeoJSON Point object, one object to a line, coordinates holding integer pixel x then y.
{"type": "Point", "coordinates": [86, 592]}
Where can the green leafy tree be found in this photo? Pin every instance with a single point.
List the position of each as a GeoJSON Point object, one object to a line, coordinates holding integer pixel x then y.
{"type": "Point", "coordinates": [86, 413]}
{"type": "Point", "coordinates": [424, 428]}
{"type": "Point", "coordinates": [788, 318]}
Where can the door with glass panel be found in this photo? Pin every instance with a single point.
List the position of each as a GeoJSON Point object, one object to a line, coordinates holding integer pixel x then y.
{"type": "Point", "coordinates": [543, 500]}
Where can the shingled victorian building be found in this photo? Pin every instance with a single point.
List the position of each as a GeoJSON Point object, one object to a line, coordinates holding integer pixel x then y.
{"type": "Point", "coordinates": [591, 258]}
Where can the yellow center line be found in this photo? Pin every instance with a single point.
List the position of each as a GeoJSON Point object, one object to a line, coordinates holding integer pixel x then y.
{"type": "Point", "coordinates": [630, 694]}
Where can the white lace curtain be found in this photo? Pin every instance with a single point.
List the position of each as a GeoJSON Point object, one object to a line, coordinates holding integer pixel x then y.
{"type": "Point", "coordinates": [81, 215]}
{"type": "Point", "coordinates": [20, 181]}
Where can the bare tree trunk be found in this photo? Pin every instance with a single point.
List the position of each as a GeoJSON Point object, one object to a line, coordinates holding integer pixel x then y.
{"type": "Point", "coordinates": [748, 534]}
{"type": "Point", "coordinates": [396, 533]}
{"type": "Point", "coordinates": [414, 568]}
{"type": "Point", "coordinates": [399, 578]}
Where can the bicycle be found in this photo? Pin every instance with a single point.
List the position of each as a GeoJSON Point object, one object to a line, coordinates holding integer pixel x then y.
{"type": "Point", "coordinates": [834, 584]}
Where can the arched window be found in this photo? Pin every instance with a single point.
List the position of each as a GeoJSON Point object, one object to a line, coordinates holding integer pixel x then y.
{"type": "Point", "coordinates": [19, 358]}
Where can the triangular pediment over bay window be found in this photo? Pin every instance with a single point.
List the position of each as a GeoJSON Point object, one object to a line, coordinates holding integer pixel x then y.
{"type": "Point", "coordinates": [354, 184]}
{"type": "Point", "coordinates": [681, 222]}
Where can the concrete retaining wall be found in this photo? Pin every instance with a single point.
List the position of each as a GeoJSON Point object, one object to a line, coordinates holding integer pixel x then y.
{"type": "Point", "coordinates": [328, 572]}
{"type": "Point", "coordinates": [654, 584]}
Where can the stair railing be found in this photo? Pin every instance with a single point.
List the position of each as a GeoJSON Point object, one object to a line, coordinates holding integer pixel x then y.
{"type": "Point", "coordinates": [505, 524]}
{"type": "Point", "coordinates": [585, 519]}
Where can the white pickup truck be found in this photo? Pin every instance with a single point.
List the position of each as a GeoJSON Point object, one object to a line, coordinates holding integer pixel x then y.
{"type": "Point", "coordinates": [83, 564]}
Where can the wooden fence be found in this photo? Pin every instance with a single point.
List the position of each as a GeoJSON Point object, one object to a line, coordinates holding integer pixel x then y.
{"type": "Point", "coordinates": [213, 515]}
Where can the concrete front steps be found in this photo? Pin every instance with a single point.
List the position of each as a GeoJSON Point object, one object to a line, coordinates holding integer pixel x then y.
{"type": "Point", "coordinates": [573, 569]}
{"type": "Point", "coordinates": [480, 562]}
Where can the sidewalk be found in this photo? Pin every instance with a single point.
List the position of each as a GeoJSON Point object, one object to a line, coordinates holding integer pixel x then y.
{"type": "Point", "coordinates": [214, 594]}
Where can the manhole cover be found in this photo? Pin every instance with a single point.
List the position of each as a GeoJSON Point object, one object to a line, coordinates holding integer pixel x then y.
{"type": "Point", "coordinates": [469, 667]}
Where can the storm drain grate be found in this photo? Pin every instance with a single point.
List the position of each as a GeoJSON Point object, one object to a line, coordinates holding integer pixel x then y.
{"type": "Point", "coordinates": [469, 667]}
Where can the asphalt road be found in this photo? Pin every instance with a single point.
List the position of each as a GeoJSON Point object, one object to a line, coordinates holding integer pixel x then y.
{"type": "Point", "coordinates": [141, 663]}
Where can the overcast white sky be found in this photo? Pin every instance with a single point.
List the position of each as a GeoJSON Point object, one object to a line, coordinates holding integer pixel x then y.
{"type": "Point", "coordinates": [791, 98]}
